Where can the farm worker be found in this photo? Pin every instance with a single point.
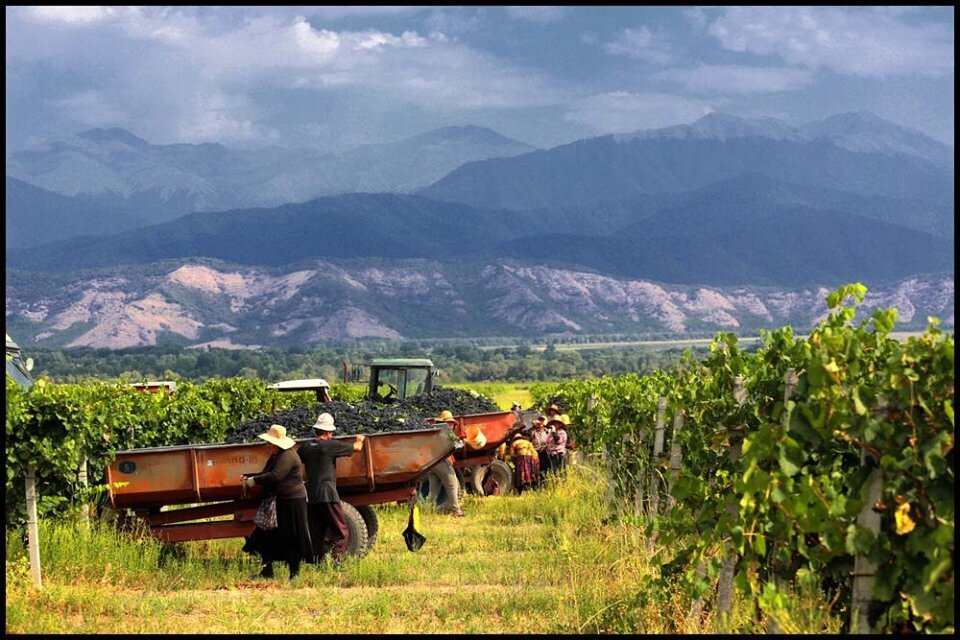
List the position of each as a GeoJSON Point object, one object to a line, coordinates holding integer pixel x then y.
{"type": "Point", "coordinates": [526, 464]}
{"type": "Point", "coordinates": [445, 475]}
{"type": "Point", "coordinates": [557, 445]}
{"type": "Point", "coordinates": [324, 509]}
{"type": "Point", "coordinates": [282, 477]}
{"type": "Point", "coordinates": [552, 411]}
{"type": "Point", "coordinates": [539, 438]}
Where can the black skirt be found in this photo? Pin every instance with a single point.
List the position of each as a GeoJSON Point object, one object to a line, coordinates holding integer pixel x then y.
{"type": "Point", "coordinates": [290, 541]}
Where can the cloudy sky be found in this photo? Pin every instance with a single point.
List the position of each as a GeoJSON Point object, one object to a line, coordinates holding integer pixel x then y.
{"type": "Point", "coordinates": [334, 77]}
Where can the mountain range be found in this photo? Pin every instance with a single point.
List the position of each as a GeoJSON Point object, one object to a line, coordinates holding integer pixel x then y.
{"type": "Point", "coordinates": [725, 203]}
{"type": "Point", "coordinates": [120, 171]}
{"type": "Point", "coordinates": [212, 303]}
{"type": "Point", "coordinates": [714, 148]}
{"type": "Point", "coordinates": [746, 230]}
{"type": "Point", "coordinates": [35, 216]}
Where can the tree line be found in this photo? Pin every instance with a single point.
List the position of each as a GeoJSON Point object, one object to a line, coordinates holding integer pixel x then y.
{"type": "Point", "coordinates": [457, 363]}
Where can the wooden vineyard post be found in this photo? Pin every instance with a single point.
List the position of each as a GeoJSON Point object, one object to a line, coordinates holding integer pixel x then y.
{"type": "Point", "coordinates": [591, 410]}
{"type": "Point", "coordinates": [790, 380]}
{"type": "Point", "coordinates": [33, 535]}
{"type": "Point", "coordinates": [864, 571]}
{"type": "Point", "coordinates": [626, 445]}
{"type": "Point", "coordinates": [607, 474]}
{"type": "Point", "coordinates": [725, 587]}
{"type": "Point", "coordinates": [696, 607]}
{"type": "Point", "coordinates": [674, 457]}
{"type": "Point", "coordinates": [82, 481]}
{"type": "Point", "coordinates": [638, 493]}
{"type": "Point", "coordinates": [654, 487]}
{"type": "Point", "coordinates": [654, 462]}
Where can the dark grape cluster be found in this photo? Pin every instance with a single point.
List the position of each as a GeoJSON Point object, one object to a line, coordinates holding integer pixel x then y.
{"type": "Point", "coordinates": [459, 402]}
{"type": "Point", "coordinates": [365, 416]}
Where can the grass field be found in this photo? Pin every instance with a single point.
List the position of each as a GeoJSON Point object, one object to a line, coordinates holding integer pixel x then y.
{"type": "Point", "coordinates": [503, 393]}
{"type": "Point", "coordinates": [546, 562]}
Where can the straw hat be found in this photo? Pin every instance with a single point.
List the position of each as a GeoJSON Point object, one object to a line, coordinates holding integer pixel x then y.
{"type": "Point", "coordinates": [324, 423]}
{"type": "Point", "coordinates": [562, 419]}
{"type": "Point", "coordinates": [278, 435]}
{"type": "Point", "coordinates": [446, 416]}
{"type": "Point", "coordinates": [554, 408]}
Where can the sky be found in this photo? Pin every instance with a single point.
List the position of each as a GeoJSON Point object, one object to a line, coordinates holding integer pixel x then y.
{"type": "Point", "coordinates": [330, 78]}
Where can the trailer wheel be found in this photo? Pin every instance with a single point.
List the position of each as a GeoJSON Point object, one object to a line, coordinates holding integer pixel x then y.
{"type": "Point", "coordinates": [500, 470]}
{"type": "Point", "coordinates": [373, 524]}
{"type": "Point", "coordinates": [424, 490]}
{"type": "Point", "coordinates": [474, 479]}
{"type": "Point", "coordinates": [356, 531]}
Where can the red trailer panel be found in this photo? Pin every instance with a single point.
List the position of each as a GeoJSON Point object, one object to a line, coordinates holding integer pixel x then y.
{"type": "Point", "coordinates": [387, 469]}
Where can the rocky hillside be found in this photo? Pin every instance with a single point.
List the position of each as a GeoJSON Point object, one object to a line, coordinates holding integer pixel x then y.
{"type": "Point", "coordinates": [195, 302]}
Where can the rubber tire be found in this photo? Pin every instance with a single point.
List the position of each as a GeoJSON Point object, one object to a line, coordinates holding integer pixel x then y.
{"type": "Point", "coordinates": [475, 476]}
{"type": "Point", "coordinates": [501, 471]}
{"type": "Point", "coordinates": [356, 531]}
{"type": "Point", "coordinates": [373, 524]}
{"type": "Point", "coordinates": [424, 490]}
{"type": "Point", "coordinates": [504, 475]}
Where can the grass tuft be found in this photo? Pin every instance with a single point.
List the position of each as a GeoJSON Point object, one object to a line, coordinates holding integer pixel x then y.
{"type": "Point", "coordinates": [544, 562]}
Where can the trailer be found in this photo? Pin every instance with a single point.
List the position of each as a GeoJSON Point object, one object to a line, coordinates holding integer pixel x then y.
{"type": "Point", "coordinates": [150, 482]}
{"type": "Point", "coordinates": [473, 464]}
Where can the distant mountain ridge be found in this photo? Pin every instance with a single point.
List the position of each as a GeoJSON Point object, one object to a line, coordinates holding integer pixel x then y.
{"type": "Point", "coordinates": [746, 230]}
{"type": "Point", "coordinates": [860, 131]}
{"type": "Point", "coordinates": [165, 181]}
{"type": "Point", "coordinates": [717, 147]}
{"type": "Point", "coordinates": [35, 216]}
{"type": "Point", "coordinates": [195, 302]}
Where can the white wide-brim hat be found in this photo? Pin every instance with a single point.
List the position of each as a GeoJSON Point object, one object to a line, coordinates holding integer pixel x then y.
{"type": "Point", "coordinates": [324, 423]}
{"type": "Point", "coordinates": [278, 435]}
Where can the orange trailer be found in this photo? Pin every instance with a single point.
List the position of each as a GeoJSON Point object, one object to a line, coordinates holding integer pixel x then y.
{"type": "Point", "coordinates": [387, 469]}
{"type": "Point", "coordinates": [497, 428]}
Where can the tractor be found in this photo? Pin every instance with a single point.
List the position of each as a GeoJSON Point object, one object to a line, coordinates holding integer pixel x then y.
{"type": "Point", "coordinates": [393, 379]}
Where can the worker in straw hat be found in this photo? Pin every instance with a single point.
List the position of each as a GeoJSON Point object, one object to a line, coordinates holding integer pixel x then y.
{"type": "Point", "coordinates": [324, 509]}
{"type": "Point", "coordinates": [282, 478]}
{"type": "Point", "coordinates": [557, 443]}
{"type": "Point", "coordinates": [445, 475]}
{"type": "Point", "coordinates": [539, 438]}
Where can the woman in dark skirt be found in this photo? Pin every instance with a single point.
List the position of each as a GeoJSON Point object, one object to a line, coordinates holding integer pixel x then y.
{"type": "Point", "coordinates": [282, 476]}
{"type": "Point", "coordinates": [526, 465]}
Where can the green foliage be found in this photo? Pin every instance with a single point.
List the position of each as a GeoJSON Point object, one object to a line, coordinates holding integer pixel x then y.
{"type": "Point", "coordinates": [53, 427]}
{"type": "Point", "coordinates": [456, 363]}
{"type": "Point", "coordinates": [789, 502]}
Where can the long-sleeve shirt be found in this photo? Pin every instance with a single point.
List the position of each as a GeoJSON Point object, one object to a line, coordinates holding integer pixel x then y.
{"type": "Point", "coordinates": [283, 475]}
{"type": "Point", "coordinates": [558, 442]}
{"type": "Point", "coordinates": [540, 439]}
{"type": "Point", "coordinates": [320, 459]}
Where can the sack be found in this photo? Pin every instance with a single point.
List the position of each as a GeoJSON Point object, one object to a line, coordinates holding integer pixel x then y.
{"type": "Point", "coordinates": [266, 517]}
{"type": "Point", "coordinates": [490, 486]}
{"type": "Point", "coordinates": [411, 536]}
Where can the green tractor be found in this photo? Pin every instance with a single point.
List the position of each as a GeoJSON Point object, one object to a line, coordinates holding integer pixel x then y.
{"type": "Point", "coordinates": [393, 379]}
